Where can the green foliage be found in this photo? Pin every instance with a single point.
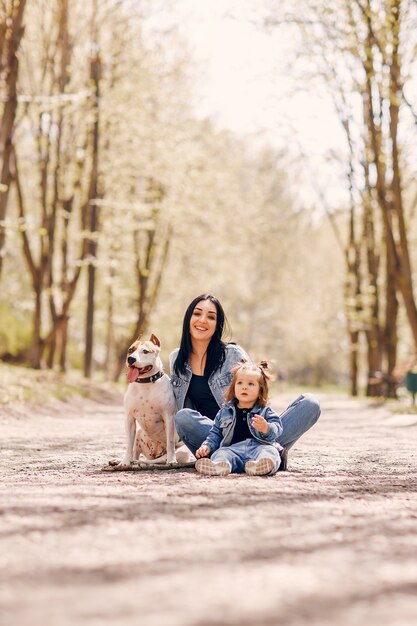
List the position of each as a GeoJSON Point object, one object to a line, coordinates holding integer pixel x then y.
{"type": "Point", "coordinates": [15, 332]}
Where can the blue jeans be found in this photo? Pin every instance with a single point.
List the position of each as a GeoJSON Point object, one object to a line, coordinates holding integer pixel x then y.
{"type": "Point", "coordinates": [302, 414]}
{"type": "Point", "coordinates": [248, 450]}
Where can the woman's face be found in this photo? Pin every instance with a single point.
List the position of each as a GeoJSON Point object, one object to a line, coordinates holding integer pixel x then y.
{"type": "Point", "coordinates": [203, 321]}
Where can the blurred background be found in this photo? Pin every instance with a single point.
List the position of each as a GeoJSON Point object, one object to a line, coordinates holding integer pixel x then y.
{"type": "Point", "coordinates": [263, 151]}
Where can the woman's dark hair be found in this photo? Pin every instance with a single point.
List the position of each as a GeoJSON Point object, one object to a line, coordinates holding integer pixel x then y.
{"type": "Point", "coordinates": [216, 351]}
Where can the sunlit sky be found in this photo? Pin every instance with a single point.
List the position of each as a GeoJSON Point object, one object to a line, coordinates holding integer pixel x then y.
{"type": "Point", "coordinates": [245, 84]}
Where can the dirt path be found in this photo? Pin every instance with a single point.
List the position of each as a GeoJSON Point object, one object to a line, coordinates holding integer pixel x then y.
{"type": "Point", "coordinates": [332, 542]}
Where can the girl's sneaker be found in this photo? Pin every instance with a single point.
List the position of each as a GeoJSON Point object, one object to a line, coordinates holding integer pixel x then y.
{"type": "Point", "coordinates": [260, 467]}
{"type": "Point", "coordinates": [213, 468]}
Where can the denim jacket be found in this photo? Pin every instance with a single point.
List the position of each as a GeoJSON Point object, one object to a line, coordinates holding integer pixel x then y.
{"type": "Point", "coordinates": [221, 432]}
{"type": "Point", "coordinates": [218, 381]}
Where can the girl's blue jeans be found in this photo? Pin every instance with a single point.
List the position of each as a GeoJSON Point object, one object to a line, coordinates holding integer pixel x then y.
{"type": "Point", "coordinates": [248, 450]}
{"type": "Point", "coordinates": [302, 414]}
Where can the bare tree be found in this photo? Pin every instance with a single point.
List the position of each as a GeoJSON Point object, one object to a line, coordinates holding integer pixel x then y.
{"type": "Point", "coordinates": [11, 32]}
{"type": "Point", "coordinates": [59, 138]}
{"type": "Point", "coordinates": [359, 43]}
{"type": "Point", "coordinates": [93, 208]}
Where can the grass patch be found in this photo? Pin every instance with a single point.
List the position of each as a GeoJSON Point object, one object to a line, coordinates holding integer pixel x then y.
{"type": "Point", "coordinates": [29, 386]}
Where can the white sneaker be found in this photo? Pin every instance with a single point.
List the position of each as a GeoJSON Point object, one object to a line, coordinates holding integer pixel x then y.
{"type": "Point", "coordinates": [213, 468]}
{"type": "Point", "coordinates": [260, 467]}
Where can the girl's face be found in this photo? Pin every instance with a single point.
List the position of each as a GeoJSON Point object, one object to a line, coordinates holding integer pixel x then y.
{"type": "Point", "coordinates": [203, 321]}
{"type": "Point", "coordinates": [247, 390]}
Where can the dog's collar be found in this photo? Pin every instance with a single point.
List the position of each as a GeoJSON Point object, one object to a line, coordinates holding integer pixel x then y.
{"type": "Point", "coordinates": [150, 379]}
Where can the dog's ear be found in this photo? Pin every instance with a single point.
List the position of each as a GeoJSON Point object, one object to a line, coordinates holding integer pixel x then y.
{"type": "Point", "coordinates": [155, 340]}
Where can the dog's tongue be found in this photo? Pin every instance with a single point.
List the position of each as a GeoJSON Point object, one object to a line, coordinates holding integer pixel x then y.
{"type": "Point", "coordinates": [132, 374]}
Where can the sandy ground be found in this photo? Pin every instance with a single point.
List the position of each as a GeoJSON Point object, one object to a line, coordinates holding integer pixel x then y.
{"type": "Point", "coordinates": [333, 541]}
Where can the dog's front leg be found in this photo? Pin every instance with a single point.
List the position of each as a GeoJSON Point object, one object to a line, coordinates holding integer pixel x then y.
{"type": "Point", "coordinates": [170, 432]}
{"type": "Point", "coordinates": [130, 426]}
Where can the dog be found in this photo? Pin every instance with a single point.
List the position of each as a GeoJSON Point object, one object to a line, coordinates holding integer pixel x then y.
{"type": "Point", "coordinates": [149, 406]}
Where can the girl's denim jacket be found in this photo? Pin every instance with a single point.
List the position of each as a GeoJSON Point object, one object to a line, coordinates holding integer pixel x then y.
{"type": "Point", "coordinates": [218, 381]}
{"type": "Point", "coordinates": [221, 432]}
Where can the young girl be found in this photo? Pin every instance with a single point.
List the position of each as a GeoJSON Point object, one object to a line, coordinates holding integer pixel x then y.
{"type": "Point", "coordinates": [244, 436]}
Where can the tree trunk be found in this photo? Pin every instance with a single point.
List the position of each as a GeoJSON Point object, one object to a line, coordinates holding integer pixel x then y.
{"type": "Point", "coordinates": [51, 354]}
{"type": "Point", "coordinates": [11, 63]}
{"type": "Point", "coordinates": [93, 210]}
{"type": "Point", "coordinates": [404, 276]}
{"type": "Point", "coordinates": [354, 369]}
{"type": "Point", "coordinates": [392, 209]}
{"type": "Point", "coordinates": [110, 358]}
{"type": "Point", "coordinates": [37, 343]}
{"type": "Point", "coordinates": [390, 330]}
{"type": "Point", "coordinates": [372, 322]}
{"type": "Point", "coordinates": [63, 343]}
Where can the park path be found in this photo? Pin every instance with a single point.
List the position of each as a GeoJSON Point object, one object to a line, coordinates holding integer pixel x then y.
{"type": "Point", "coordinates": [332, 542]}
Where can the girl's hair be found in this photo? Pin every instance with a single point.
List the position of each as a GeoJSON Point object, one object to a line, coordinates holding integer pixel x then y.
{"type": "Point", "coordinates": [216, 351]}
{"type": "Point", "coordinates": [260, 370]}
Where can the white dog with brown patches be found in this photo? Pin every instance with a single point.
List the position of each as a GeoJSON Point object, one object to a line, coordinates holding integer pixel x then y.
{"type": "Point", "coordinates": [149, 406]}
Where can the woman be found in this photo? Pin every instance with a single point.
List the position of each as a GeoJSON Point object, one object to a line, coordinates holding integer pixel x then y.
{"type": "Point", "coordinates": [201, 372]}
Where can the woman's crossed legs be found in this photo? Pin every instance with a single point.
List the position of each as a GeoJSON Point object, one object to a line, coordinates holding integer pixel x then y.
{"type": "Point", "coordinates": [297, 419]}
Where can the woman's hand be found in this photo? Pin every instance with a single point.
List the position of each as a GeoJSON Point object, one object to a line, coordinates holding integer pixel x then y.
{"type": "Point", "coordinates": [260, 423]}
{"type": "Point", "coordinates": [202, 451]}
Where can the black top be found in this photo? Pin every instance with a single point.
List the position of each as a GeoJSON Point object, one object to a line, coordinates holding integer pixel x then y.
{"type": "Point", "coordinates": [200, 395]}
{"type": "Point", "coordinates": [241, 431]}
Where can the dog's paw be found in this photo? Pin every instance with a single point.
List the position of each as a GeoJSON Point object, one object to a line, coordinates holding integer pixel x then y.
{"type": "Point", "coordinates": [125, 463]}
{"type": "Point", "coordinates": [116, 467]}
